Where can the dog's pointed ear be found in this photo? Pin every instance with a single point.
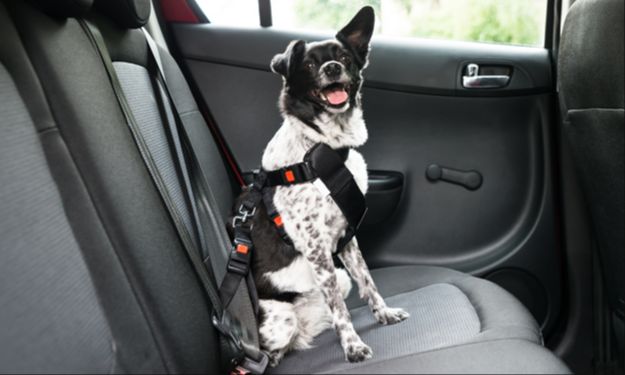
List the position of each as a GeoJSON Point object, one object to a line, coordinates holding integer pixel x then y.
{"type": "Point", "coordinates": [357, 34]}
{"type": "Point", "coordinates": [284, 63]}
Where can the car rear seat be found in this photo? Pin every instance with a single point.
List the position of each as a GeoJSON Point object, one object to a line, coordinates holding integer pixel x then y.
{"type": "Point", "coordinates": [95, 278]}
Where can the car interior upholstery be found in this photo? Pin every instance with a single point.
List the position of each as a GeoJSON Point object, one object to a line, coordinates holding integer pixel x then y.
{"type": "Point", "coordinates": [96, 279]}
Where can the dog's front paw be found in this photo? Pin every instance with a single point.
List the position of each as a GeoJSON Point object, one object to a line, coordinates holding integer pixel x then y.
{"type": "Point", "coordinates": [358, 352]}
{"type": "Point", "coordinates": [390, 315]}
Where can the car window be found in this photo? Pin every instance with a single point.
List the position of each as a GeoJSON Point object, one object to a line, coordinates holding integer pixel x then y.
{"type": "Point", "coordinates": [520, 22]}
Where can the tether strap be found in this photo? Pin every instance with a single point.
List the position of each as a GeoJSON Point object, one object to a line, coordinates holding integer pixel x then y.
{"type": "Point", "coordinates": [273, 214]}
{"type": "Point", "coordinates": [238, 266]}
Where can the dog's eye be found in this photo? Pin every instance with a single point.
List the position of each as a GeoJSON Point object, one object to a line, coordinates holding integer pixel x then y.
{"type": "Point", "coordinates": [310, 66]}
{"type": "Point", "coordinates": [345, 59]}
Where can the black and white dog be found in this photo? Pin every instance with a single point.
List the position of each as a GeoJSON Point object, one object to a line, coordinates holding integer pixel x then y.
{"type": "Point", "coordinates": [301, 292]}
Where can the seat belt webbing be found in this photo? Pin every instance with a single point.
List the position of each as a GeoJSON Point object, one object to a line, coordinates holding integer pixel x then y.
{"type": "Point", "coordinates": [237, 351]}
{"type": "Point", "coordinates": [96, 38]}
{"type": "Point", "coordinates": [255, 361]}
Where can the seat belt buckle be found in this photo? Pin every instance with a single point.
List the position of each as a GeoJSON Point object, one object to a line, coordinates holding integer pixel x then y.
{"type": "Point", "coordinates": [242, 363]}
{"type": "Point", "coordinates": [254, 367]}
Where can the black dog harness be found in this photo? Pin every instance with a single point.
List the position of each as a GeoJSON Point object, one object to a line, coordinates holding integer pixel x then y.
{"type": "Point", "coordinates": [325, 168]}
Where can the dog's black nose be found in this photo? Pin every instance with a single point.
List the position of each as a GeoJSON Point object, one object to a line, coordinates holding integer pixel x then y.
{"type": "Point", "coordinates": [332, 69]}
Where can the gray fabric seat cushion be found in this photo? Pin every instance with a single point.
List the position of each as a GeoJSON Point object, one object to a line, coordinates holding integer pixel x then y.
{"type": "Point", "coordinates": [501, 315]}
{"type": "Point", "coordinates": [488, 357]}
{"type": "Point", "coordinates": [448, 309]}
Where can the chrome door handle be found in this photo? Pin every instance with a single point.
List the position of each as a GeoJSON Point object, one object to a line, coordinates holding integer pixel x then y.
{"type": "Point", "coordinates": [472, 80]}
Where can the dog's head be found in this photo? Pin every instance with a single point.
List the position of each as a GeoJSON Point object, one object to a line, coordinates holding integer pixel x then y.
{"type": "Point", "coordinates": [325, 76]}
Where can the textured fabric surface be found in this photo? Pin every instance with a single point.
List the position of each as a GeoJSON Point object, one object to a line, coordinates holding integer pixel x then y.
{"type": "Point", "coordinates": [127, 322]}
{"type": "Point", "coordinates": [139, 92]}
{"type": "Point", "coordinates": [501, 314]}
{"type": "Point", "coordinates": [127, 202]}
{"type": "Point", "coordinates": [491, 357]}
{"type": "Point", "coordinates": [49, 306]}
{"type": "Point", "coordinates": [597, 139]}
{"type": "Point", "coordinates": [440, 316]}
{"type": "Point", "coordinates": [590, 61]}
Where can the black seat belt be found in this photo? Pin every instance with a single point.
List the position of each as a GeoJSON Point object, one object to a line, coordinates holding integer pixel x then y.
{"type": "Point", "coordinates": [254, 360]}
{"type": "Point", "coordinates": [234, 350]}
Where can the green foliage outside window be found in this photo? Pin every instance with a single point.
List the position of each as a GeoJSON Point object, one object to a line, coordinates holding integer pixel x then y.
{"type": "Point", "coordinates": [499, 21]}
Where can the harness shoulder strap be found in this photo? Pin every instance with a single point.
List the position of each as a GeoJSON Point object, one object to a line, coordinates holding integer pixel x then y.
{"type": "Point", "coordinates": [330, 168]}
{"type": "Point", "coordinates": [327, 165]}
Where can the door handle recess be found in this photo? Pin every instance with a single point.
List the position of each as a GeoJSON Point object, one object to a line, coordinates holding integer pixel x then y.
{"type": "Point", "coordinates": [471, 180]}
{"type": "Point", "coordinates": [473, 80]}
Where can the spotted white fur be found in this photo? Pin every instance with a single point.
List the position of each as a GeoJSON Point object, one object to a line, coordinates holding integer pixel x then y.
{"type": "Point", "coordinates": [311, 218]}
{"type": "Point", "coordinates": [315, 224]}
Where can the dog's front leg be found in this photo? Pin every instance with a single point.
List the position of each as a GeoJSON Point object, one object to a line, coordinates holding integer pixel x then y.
{"type": "Point", "coordinates": [357, 268]}
{"type": "Point", "coordinates": [325, 276]}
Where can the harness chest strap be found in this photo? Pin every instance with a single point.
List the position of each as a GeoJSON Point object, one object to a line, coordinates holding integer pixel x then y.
{"type": "Point", "coordinates": [320, 162]}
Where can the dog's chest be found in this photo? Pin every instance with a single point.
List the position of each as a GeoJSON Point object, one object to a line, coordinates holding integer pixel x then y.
{"type": "Point", "coordinates": [310, 214]}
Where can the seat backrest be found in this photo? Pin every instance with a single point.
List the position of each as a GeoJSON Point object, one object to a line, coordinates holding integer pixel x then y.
{"type": "Point", "coordinates": [591, 78]}
{"type": "Point", "coordinates": [158, 317]}
{"type": "Point", "coordinates": [67, 305]}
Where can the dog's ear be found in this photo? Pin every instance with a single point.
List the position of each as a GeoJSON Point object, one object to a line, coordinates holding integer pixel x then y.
{"type": "Point", "coordinates": [357, 34]}
{"type": "Point", "coordinates": [284, 63]}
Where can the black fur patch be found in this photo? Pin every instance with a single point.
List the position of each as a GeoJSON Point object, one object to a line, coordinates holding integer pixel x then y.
{"type": "Point", "coordinates": [289, 297]}
{"type": "Point", "coordinates": [270, 253]}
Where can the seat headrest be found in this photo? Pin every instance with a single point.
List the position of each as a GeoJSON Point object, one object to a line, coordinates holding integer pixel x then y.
{"type": "Point", "coordinates": [590, 64]}
{"type": "Point", "coordinates": [63, 8]}
{"type": "Point", "coordinates": [130, 14]}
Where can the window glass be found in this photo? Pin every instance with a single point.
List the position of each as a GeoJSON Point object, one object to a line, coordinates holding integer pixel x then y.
{"type": "Point", "coordinates": [498, 21]}
{"type": "Point", "coordinates": [519, 22]}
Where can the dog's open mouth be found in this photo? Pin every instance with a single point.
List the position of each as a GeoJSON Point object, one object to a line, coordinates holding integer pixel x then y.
{"type": "Point", "coordinates": [334, 94]}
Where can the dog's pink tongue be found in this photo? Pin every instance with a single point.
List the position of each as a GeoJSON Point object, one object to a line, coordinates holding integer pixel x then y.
{"type": "Point", "coordinates": [336, 96]}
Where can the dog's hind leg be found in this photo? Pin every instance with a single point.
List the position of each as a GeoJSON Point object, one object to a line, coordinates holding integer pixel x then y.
{"type": "Point", "coordinates": [313, 317]}
{"type": "Point", "coordinates": [278, 328]}
{"type": "Point", "coordinates": [357, 268]}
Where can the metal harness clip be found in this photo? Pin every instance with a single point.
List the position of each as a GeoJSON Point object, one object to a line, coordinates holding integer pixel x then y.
{"type": "Point", "coordinates": [244, 214]}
